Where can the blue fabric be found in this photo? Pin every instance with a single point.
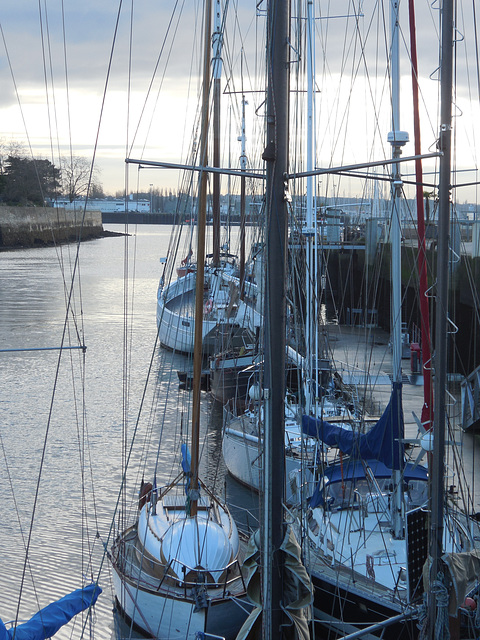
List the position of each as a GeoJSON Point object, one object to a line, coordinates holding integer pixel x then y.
{"type": "Point", "coordinates": [51, 618]}
{"type": "Point", "coordinates": [186, 458]}
{"type": "Point", "coordinates": [381, 443]}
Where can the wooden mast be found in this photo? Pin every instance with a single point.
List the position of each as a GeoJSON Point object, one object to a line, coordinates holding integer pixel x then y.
{"type": "Point", "coordinates": [200, 276]}
{"type": "Point", "coordinates": [276, 157]}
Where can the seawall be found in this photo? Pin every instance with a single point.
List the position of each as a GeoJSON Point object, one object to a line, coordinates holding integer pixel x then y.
{"type": "Point", "coordinates": [35, 226]}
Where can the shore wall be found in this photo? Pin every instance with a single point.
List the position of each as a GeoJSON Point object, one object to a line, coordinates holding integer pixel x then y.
{"type": "Point", "coordinates": [35, 226]}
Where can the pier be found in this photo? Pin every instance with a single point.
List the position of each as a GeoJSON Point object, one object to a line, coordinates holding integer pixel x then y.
{"type": "Point", "coordinates": [37, 226]}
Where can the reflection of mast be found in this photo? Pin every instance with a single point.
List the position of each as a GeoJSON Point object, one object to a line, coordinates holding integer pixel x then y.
{"type": "Point", "coordinates": [217, 41]}
{"type": "Point", "coordinates": [200, 276]}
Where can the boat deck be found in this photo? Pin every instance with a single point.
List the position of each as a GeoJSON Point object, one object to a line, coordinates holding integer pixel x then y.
{"type": "Point", "coordinates": [183, 305]}
{"type": "Point", "coordinates": [129, 567]}
{"type": "Point", "coordinates": [364, 360]}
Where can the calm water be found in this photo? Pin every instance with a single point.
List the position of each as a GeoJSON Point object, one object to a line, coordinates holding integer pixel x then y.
{"type": "Point", "coordinates": [45, 423]}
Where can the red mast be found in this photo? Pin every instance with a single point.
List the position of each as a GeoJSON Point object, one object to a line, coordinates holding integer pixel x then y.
{"type": "Point", "coordinates": [427, 409]}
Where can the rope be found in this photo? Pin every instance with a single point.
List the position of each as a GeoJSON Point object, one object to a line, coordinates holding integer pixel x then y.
{"type": "Point", "coordinates": [439, 590]}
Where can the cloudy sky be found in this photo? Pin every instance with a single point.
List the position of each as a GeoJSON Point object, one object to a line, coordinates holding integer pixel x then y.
{"type": "Point", "coordinates": [77, 74]}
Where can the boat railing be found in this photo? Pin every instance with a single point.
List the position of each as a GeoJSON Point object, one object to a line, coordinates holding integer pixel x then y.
{"type": "Point", "coordinates": [154, 575]}
{"type": "Point", "coordinates": [204, 577]}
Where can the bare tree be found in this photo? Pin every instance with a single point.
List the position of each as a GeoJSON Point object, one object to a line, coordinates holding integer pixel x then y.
{"type": "Point", "coordinates": [78, 177]}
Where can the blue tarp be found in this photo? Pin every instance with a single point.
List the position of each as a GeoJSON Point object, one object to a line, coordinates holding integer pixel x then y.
{"type": "Point", "coordinates": [381, 443]}
{"type": "Point", "coordinates": [51, 618]}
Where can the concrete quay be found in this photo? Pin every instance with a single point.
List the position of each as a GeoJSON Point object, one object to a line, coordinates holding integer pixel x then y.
{"type": "Point", "coordinates": [358, 349]}
{"type": "Point", "coordinates": [363, 358]}
{"type": "Point", "coordinates": [35, 226]}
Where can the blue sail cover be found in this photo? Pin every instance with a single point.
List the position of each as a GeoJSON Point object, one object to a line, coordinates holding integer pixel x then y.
{"type": "Point", "coordinates": [186, 458]}
{"type": "Point", "coordinates": [381, 443]}
{"type": "Point", "coordinates": [51, 618]}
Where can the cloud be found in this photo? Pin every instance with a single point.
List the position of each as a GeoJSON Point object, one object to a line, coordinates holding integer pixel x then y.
{"type": "Point", "coordinates": [352, 81]}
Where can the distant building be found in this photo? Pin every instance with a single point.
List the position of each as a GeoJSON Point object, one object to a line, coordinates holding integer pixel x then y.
{"type": "Point", "coordinates": [105, 205]}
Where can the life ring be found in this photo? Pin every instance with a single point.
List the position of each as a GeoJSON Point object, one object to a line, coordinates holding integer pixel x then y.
{"type": "Point", "coordinates": [208, 306]}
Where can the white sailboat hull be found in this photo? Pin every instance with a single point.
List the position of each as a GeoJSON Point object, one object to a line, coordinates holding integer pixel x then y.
{"type": "Point", "coordinates": [242, 453]}
{"type": "Point", "coordinates": [176, 327]}
{"type": "Point", "coordinates": [169, 618]}
{"type": "Point", "coordinates": [175, 312]}
{"type": "Point", "coordinates": [175, 574]}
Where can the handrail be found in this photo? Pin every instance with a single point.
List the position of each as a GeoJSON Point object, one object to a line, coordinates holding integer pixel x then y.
{"type": "Point", "coordinates": [128, 567]}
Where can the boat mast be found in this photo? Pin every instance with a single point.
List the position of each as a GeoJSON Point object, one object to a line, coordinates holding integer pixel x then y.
{"type": "Point", "coordinates": [243, 168]}
{"type": "Point", "coordinates": [217, 41]}
{"type": "Point", "coordinates": [426, 416]}
{"type": "Point", "coordinates": [200, 275]}
{"type": "Point", "coordinates": [310, 230]}
{"type": "Point", "coordinates": [397, 139]}
{"type": "Point", "coordinates": [276, 157]}
{"type": "Point", "coordinates": [440, 359]}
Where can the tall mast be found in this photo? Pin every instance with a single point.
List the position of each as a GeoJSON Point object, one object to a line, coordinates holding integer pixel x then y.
{"type": "Point", "coordinates": [243, 168]}
{"type": "Point", "coordinates": [200, 276]}
{"type": "Point", "coordinates": [397, 139]}
{"type": "Point", "coordinates": [440, 359]}
{"type": "Point", "coordinates": [276, 157]}
{"type": "Point", "coordinates": [217, 41]}
{"type": "Point", "coordinates": [310, 217]}
{"type": "Point", "coordinates": [422, 254]}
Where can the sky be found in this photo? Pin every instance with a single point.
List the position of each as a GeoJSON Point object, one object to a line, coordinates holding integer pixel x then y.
{"type": "Point", "coordinates": [75, 76]}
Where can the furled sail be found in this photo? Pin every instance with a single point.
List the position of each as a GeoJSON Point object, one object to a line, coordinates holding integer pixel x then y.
{"type": "Point", "coordinates": [46, 622]}
{"type": "Point", "coordinates": [382, 442]}
{"type": "Point", "coordinates": [298, 588]}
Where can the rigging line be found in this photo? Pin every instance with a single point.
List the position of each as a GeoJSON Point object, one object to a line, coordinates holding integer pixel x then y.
{"type": "Point", "coordinates": [46, 46]}
{"type": "Point", "coordinates": [17, 512]}
{"type": "Point", "coordinates": [67, 82]}
{"type": "Point", "coordinates": [157, 63]}
{"type": "Point", "coordinates": [42, 460]}
{"type": "Point", "coordinates": [475, 31]}
{"type": "Point", "coordinates": [22, 115]}
{"type": "Point", "coordinates": [128, 457]}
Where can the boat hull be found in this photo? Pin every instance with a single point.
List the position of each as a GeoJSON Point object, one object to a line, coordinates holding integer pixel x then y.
{"type": "Point", "coordinates": [168, 617]}
{"type": "Point", "coordinates": [177, 331]}
{"type": "Point", "coordinates": [243, 460]}
{"type": "Point", "coordinates": [231, 379]}
{"type": "Point", "coordinates": [346, 609]}
{"type": "Point", "coordinates": [175, 312]}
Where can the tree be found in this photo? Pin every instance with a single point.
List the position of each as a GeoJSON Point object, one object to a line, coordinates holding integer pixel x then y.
{"type": "Point", "coordinates": [28, 181]}
{"type": "Point", "coordinates": [79, 179]}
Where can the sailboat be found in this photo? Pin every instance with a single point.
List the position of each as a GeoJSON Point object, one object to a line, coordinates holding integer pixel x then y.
{"type": "Point", "coordinates": [383, 542]}
{"type": "Point", "coordinates": [225, 306]}
{"type": "Point", "coordinates": [308, 378]}
{"type": "Point", "coordinates": [176, 570]}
